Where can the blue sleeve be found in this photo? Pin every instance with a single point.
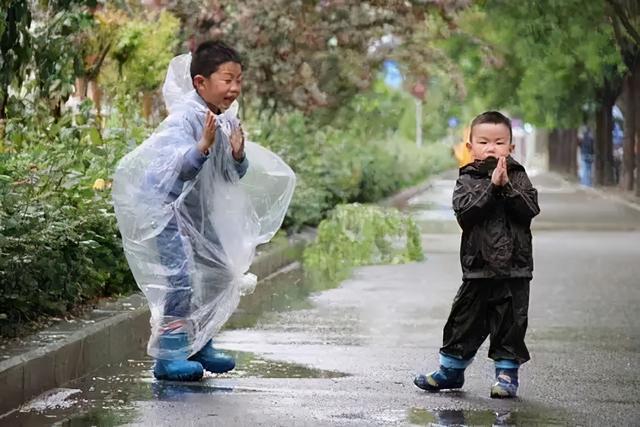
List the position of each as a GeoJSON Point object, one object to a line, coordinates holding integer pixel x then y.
{"type": "Point", "coordinates": [187, 129]}
{"type": "Point", "coordinates": [192, 162]}
{"type": "Point", "coordinates": [241, 166]}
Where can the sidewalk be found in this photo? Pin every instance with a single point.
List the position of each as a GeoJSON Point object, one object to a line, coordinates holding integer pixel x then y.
{"type": "Point", "coordinates": [115, 329]}
{"type": "Point", "coordinates": [345, 356]}
{"type": "Point", "coordinates": [572, 206]}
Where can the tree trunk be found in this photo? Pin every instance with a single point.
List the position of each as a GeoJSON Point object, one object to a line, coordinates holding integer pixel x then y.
{"type": "Point", "coordinates": [571, 138]}
{"type": "Point", "coordinates": [630, 106]}
{"type": "Point", "coordinates": [553, 150]}
{"type": "Point", "coordinates": [637, 132]}
{"type": "Point", "coordinates": [95, 93]}
{"type": "Point", "coordinates": [562, 149]}
{"type": "Point", "coordinates": [56, 109]}
{"type": "Point", "coordinates": [147, 105]}
{"type": "Point", "coordinates": [81, 87]}
{"type": "Point", "coordinates": [603, 161]}
{"type": "Point", "coordinates": [3, 114]}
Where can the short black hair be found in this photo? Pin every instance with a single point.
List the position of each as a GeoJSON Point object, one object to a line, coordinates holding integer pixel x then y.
{"type": "Point", "coordinates": [209, 55]}
{"type": "Point", "coordinates": [494, 117]}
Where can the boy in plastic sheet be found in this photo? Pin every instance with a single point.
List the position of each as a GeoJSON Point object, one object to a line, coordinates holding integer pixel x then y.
{"type": "Point", "coordinates": [494, 203]}
{"type": "Point", "coordinates": [192, 203]}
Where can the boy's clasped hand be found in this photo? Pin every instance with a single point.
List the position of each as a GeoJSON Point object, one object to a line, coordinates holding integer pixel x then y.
{"type": "Point", "coordinates": [499, 176]}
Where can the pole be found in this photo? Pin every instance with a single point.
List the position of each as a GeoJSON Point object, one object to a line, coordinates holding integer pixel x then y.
{"type": "Point", "coordinates": [418, 123]}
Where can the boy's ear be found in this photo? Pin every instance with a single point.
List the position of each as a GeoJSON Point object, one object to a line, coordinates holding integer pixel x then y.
{"type": "Point", "coordinates": [468, 144]}
{"type": "Point", "coordinates": [511, 147]}
{"type": "Point", "coordinates": [198, 80]}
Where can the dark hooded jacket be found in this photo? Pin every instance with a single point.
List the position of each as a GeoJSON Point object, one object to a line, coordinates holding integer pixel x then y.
{"type": "Point", "coordinates": [495, 221]}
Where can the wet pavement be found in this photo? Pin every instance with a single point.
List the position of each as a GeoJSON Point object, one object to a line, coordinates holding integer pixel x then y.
{"type": "Point", "coordinates": [345, 354]}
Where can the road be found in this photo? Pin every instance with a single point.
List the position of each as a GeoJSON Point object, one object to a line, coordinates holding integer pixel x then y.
{"type": "Point", "coordinates": [345, 355]}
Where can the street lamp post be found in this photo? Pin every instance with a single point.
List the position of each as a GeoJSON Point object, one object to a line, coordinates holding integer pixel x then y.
{"type": "Point", "coordinates": [418, 122]}
{"type": "Point", "coordinates": [419, 90]}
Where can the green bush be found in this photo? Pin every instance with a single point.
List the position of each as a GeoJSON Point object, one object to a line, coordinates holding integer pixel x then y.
{"type": "Point", "coordinates": [355, 235]}
{"type": "Point", "coordinates": [358, 157]}
{"type": "Point", "coordinates": [59, 244]}
{"type": "Point", "coordinates": [143, 49]}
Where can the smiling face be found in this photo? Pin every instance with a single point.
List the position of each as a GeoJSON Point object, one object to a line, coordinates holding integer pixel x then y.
{"type": "Point", "coordinates": [490, 140]}
{"type": "Point", "coordinates": [222, 87]}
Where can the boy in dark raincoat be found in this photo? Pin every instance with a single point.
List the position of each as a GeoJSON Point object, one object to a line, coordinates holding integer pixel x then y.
{"type": "Point", "coordinates": [494, 203]}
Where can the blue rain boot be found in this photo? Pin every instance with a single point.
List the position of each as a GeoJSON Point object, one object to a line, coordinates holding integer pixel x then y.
{"type": "Point", "coordinates": [214, 360]}
{"type": "Point", "coordinates": [506, 385]}
{"type": "Point", "coordinates": [442, 379]}
{"type": "Point", "coordinates": [176, 370]}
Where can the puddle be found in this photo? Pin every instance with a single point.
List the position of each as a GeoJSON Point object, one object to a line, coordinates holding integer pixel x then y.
{"type": "Point", "coordinates": [93, 417]}
{"type": "Point", "coordinates": [449, 417]}
{"type": "Point", "coordinates": [98, 417]}
{"type": "Point", "coordinates": [250, 365]}
{"type": "Point", "coordinates": [285, 292]}
{"type": "Point", "coordinates": [58, 398]}
{"type": "Point", "coordinates": [110, 395]}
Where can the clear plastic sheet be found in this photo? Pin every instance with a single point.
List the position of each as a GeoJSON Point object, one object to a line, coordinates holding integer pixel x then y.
{"type": "Point", "coordinates": [190, 229]}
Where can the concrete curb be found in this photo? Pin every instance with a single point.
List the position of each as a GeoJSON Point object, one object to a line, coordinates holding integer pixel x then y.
{"type": "Point", "coordinates": [27, 375]}
{"type": "Point", "coordinates": [401, 199]}
{"type": "Point", "coordinates": [613, 196]}
{"type": "Point", "coordinates": [608, 193]}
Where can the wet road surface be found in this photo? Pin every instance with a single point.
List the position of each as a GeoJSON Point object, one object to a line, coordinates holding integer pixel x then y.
{"type": "Point", "coordinates": [345, 354]}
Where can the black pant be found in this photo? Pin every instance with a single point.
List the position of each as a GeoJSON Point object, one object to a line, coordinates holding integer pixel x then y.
{"type": "Point", "coordinates": [482, 307]}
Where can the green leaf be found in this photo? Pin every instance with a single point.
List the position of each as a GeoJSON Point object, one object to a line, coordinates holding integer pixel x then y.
{"type": "Point", "coordinates": [95, 137]}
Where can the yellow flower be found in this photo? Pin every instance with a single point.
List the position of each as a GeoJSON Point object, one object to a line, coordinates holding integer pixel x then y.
{"type": "Point", "coordinates": [99, 185]}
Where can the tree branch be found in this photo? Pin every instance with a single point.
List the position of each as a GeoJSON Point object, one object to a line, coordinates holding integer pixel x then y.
{"type": "Point", "coordinates": [624, 19]}
{"type": "Point", "coordinates": [620, 40]}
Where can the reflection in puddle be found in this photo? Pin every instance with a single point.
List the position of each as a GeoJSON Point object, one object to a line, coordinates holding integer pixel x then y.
{"type": "Point", "coordinates": [455, 418]}
{"type": "Point", "coordinates": [250, 365]}
{"type": "Point", "coordinates": [57, 398]}
{"type": "Point", "coordinates": [99, 417]}
{"type": "Point", "coordinates": [108, 396]}
{"type": "Point", "coordinates": [285, 292]}
{"type": "Point", "coordinates": [177, 391]}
